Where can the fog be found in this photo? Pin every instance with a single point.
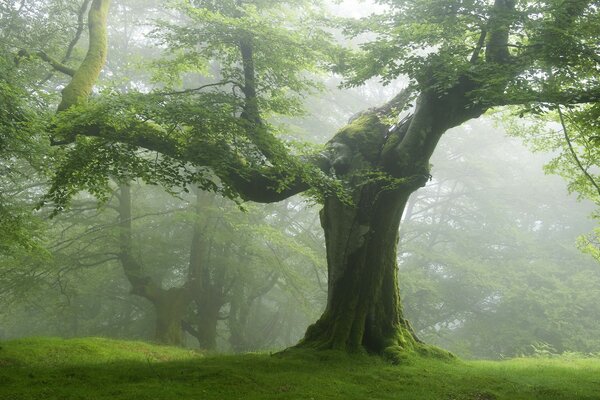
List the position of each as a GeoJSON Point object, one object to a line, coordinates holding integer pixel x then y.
{"type": "Point", "coordinates": [491, 251]}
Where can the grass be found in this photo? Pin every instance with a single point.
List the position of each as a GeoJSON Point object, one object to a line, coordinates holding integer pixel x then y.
{"type": "Point", "coordinates": [97, 368]}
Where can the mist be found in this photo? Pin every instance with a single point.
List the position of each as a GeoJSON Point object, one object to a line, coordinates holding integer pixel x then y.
{"type": "Point", "coordinates": [496, 254]}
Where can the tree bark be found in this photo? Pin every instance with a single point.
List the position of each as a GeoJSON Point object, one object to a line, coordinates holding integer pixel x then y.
{"type": "Point", "coordinates": [381, 167]}
{"type": "Point", "coordinates": [363, 307]}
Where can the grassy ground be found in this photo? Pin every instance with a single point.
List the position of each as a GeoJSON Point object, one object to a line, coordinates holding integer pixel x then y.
{"type": "Point", "coordinates": [95, 368]}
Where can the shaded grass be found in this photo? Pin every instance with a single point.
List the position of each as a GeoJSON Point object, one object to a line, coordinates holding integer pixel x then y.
{"type": "Point", "coordinates": [96, 368]}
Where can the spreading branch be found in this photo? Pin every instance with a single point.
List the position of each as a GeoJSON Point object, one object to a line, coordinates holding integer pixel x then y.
{"type": "Point", "coordinates": [56, 65]}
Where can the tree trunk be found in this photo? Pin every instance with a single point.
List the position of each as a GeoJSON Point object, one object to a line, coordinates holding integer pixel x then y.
{"type": "Point", "coordinates": [363, 307]}
{"type": "Point", "coordinates": [381, 167]}
{"type": "Point", "coordinates": [208, 318]}
{"type": "Point", "coordinates": [170, 307]}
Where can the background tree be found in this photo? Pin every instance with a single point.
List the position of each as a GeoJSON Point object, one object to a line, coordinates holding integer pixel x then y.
{"type": "Point", "coordinates": [571, 135]}
{"type": "Point", "coordinates": [489, 267]}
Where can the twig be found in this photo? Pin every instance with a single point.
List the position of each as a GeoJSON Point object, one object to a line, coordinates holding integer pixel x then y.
{"type": "Point", "coordinates": [222, 83]}
{"type": "Point", "coordinates": [589, 177]}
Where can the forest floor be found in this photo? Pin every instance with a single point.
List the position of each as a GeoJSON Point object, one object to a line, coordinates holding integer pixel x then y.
{"type": "Point", "coordinates": [97, 368]}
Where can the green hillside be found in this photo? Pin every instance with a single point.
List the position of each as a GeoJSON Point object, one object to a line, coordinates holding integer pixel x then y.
{"type": "Point", "coordinates": [97, 368]}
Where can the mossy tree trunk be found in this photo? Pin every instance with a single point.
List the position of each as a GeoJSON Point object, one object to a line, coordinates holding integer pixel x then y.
{"type": "Point", "coordinates": [84, 77]}
{"type": "Point", "coordinates": [381, 166]}
{"type": "Point", "coordinates": [363, 308]}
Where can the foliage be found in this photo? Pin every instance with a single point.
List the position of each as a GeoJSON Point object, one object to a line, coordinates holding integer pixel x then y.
{"type": "Point", "coordinates": [552, 47]}
{"type": "Point", "coordinates": [24, 159]}
{"type": "Point", "coordinates": [287, 48]}
{"type": "Point", "coordinates": [201, 122]}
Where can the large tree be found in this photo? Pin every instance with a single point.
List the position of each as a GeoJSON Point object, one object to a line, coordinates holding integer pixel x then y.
{"type": "Point", "coordinates": [462, 58]}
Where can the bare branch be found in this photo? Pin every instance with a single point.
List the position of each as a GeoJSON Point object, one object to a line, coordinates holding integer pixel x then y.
{"type": "Point", "coordinates": [78, 32]}
{"type": "Point", "coordinates": [564, 97]}
{"type": "Point", "coordinates": [200, 88]}
{"type": "Point", "coordinates": [75, 39]}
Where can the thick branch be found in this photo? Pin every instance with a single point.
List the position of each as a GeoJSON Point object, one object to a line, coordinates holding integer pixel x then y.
{"type": "Point", "coordinates": [53, 63]}
{"type": "Point", "coordinates": [496, 50]}
{"type": "Point", "coordinates": [407, 150]}
{"type": "Point", "coordinates": [253, 183]}
{"type": "Point", "coordinates": [56, 65]}
{"type": "Point", "coordinates": [251, 112]}
{"type": "Point", "coordinates": [565, 97]}
{"type": "Point", "coordinates": [263, 186]}
{"type": "Point", "coordinates": [88, 72]}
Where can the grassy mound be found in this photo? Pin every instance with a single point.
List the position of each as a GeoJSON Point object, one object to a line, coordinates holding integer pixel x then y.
{"type": "Point", "coordinates": [96, 368]}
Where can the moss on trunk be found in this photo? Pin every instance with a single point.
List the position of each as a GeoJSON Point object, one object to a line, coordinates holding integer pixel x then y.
{"type": "Point", "coordinates": [81, 85]}
{"type": "Point", "coordinates": [363, 311]}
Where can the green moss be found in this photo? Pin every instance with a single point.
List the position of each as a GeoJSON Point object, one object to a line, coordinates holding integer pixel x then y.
{"type": "Point", "coordinates": [81, 85]}
{"type": "Point", "coordinates": [365, 135]}
{"type": "Point", "coordinates": [430, 351]}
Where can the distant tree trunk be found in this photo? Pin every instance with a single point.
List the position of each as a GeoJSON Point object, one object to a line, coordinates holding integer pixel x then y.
{"type": "Point", "coordinates": [207, 279]}
{"type": "Point", "coordinates": [170, 305]}
{"type": "Point", "coordinates": [208, 319]}
{"type": "Point", "coordinates": [245, 305]}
